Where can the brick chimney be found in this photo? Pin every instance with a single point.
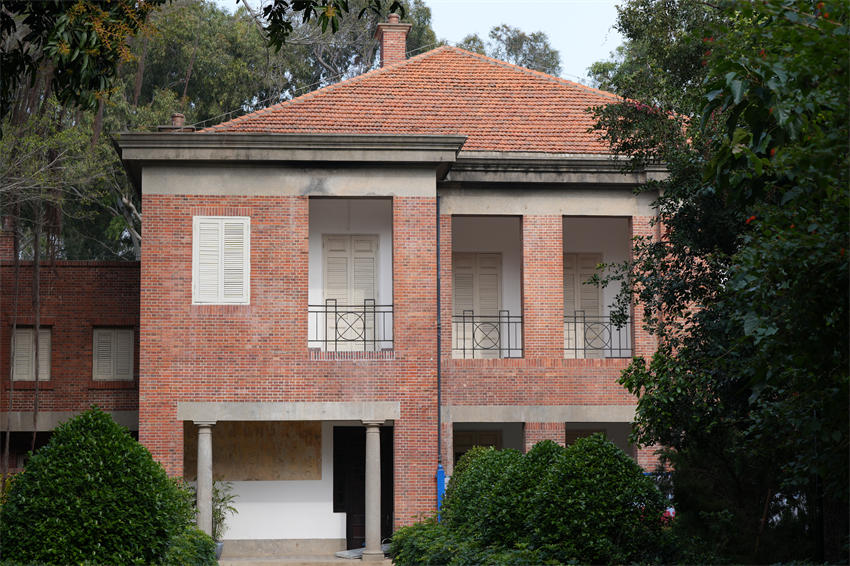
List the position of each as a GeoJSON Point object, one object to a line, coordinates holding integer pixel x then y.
{"type": "Point", "coordinates": [393, 38]}
{"type": "Point", "coordinates": [178, 124]}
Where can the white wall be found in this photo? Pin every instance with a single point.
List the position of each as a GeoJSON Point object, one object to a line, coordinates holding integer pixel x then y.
{"type": "Point", "coordinates": [494, 234]}
{"type": "Point", "coordinates": [610, 236]}
{"type": "Point", "coordinates": [288, 509]}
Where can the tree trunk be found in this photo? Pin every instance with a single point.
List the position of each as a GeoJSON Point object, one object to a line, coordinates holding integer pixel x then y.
{"type": "Point", "coordinates": [140, 73]}
{"type": "Point", "coordinates": [8, 436]}
{"type": "Point", "coordinates": [98, 123]}
{"type": "Point", "coordinates": [36, 306]}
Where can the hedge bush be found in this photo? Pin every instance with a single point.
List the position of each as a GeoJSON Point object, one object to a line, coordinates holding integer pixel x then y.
{"type": "Point", "coordinates": [589, 503]}
{"type": "Point", "coordinates": [93, 495]}
{"type": "Point", "coordinates": [192, 547]}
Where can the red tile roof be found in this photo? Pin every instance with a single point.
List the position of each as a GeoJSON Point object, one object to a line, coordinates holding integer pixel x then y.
{"type": "Point", "coordinates": [447, 91]}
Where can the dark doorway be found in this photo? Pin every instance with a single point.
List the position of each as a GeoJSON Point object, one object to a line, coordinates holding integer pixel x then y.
{"type": "Point", "coordinates": [350, 481]}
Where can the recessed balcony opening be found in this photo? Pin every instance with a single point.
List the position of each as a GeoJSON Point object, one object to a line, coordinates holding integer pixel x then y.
{"type": "Point", "coordinates": [486, 283]}
{"type": "Point", "coordinates": [465, 436]}
{"type": "Point", "coordinates": [589, 331]}
{"type": "Point", "coordinates": [616, 432]}
{"type": "Point", "coordinates": [350, 280]}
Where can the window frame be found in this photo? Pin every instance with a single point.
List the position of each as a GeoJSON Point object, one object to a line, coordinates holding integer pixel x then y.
{"type": "Point", "coordinates": [220, 298]}
{"type": "Point", "coordinates": [114, 332]}
{"type": "Point", "coordinates": [31, 376]}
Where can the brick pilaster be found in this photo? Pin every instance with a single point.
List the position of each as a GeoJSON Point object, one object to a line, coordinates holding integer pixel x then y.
{"type": "Point", "coordinates": [543, 287]}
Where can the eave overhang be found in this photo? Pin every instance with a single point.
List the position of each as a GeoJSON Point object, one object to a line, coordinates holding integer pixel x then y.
{"type": "Point", "coordinates": [140, 149]}
{"type": "Point", "coordinates": [494, 167]}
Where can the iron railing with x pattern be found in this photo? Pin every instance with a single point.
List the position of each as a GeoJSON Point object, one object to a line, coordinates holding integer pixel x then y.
{"type": "Point", "coordinates": [335, 327]}
{"type": "Point", "coordinates": [486, 336]}
{"type": "Point", "coordinates": [595, 337]}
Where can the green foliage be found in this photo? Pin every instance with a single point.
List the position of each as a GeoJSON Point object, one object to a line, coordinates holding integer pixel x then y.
{"type": "Point", "coordinates": [192, 547]}
{"type": "Point", "coordinates": [748, 289]}
{"type": "Point", "coordinates": [222, 506]}
{"type": "Point", "coordinates": [99, 498]}
{"type": "Point", "coordinates": [511, 44]}
{"type": "Point", "coordinates": [589, 503]}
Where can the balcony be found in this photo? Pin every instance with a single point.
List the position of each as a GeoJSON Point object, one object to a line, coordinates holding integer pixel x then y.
{"type": "Point", "coordinates": [350, 311]}
{"type": "Point", "coordinates": [486, 287]}
{"type": "Point", "coordinates": [335, 327]}
{"type": "Point", "coordinates": [595, 337]}
{"type": "Point", "coordinates": [486, 337]}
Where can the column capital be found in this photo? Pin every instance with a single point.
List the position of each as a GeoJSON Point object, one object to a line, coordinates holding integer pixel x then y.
{"type": "Point", "coordinates": [204, 424]}
{"type": "Point", "coordinates": [372, 423]}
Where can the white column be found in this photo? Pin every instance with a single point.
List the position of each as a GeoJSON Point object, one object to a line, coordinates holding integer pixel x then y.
{"type": "Point", "coordinates": [373, 550]}
{"type": "Point", "coordinates": [204, 486]}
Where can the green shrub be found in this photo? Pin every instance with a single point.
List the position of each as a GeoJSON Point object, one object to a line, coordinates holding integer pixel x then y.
{"type": "Point", "coordinates": [92, 494]}
{"type": "Point", "coordinates": [589, 503]}
{"type": "Point", "coordinates": [191, 548]}
{"type": "Point", "coordinates": [472, 486]}
{"type": "Point", "coordinates": [595, 505]}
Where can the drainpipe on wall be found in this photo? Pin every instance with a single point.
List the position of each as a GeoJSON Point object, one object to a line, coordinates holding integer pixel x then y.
{"type": "Point", "coordinates": [441, 473]}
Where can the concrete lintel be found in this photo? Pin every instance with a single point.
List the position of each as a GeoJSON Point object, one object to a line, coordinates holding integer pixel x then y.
{"type": "Point", "coordinates": [21, 421]}
{"type": "Point", "coordinates": [538, 413]}
{"type": "Point", "coordinates": [330, 411]}
{"type": "Point", "coordinates": [578, 201]}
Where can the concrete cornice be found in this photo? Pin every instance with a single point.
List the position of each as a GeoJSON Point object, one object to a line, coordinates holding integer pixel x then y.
{"type": "Point", "coordinates": [139, 149]}
{"type": "Point", "coordinates": [556, 168]}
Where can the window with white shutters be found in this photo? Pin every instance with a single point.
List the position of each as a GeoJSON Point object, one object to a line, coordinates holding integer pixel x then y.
{"type": "Point", "coordinates": [476, 287]}
{"type": "Point", "coordinates": [112, 353]}
{"type": "Point", "coordinates": [350, 291]}
{"type": "Point", "coordinates": [221, 255]}
{"type": "Point", "coordinates": [23, 350]}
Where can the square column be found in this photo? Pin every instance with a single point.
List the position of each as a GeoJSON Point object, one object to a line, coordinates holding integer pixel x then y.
{"type": "Point", "coordinates": [537, 432]}
{"type": "Point", "coordinates": [543, 286]}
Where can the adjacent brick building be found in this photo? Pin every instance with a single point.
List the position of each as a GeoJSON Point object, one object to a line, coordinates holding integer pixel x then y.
{"type": "Point", "coordinates": [290, 336]}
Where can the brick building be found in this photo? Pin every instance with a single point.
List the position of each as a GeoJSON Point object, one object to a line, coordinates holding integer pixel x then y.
{"type": "Point", "coordinates": [353, 287]}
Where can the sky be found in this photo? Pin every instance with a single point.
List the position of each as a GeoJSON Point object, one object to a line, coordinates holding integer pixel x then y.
{"type": "Point", "coordinates": [581, 30]}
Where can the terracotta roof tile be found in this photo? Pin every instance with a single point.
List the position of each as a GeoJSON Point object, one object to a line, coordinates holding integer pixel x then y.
{"type": "Point", "coordinates": [447, 91]}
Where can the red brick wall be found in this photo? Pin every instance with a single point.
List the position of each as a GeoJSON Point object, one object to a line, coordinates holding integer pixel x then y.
{"type": "Point", "coordinates": [258, 352]}
{"type": "Point", "coordinates": [644, 343]}
{"type": "Point", "coordinates": [543, 287]}
{"type": "Point", "coordinates": [538, 432]}
{"type": "Point", "coordinates": [76, 297]}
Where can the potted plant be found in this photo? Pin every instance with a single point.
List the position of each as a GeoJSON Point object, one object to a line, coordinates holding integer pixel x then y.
{"type": "Point", "coordinates": [222, 507]}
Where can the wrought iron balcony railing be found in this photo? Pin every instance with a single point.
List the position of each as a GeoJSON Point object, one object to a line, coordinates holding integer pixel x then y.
{"type": "Point", "coordinates": [486, 336]}
{"type": "Point", "coordinates": [595, 337]}
{"type": "Point", "coordinates": [335, 327]}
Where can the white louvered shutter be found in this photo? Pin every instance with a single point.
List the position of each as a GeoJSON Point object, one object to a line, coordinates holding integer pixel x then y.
{"type": "Point", "coordinates": [233, 260]}
{"type": "Point", "coordinates": [364, 263]}
{"type": "Point", "coordinates": [589, 294]}
{"type": "Point", "coordinates": [337, 269]}
{"type": "Point", "coordinates": [208, 260]}
{"type": "Point", "coordinates": [44, 354]}
{"type": "Point", "coordinates": [489, 284]}
{"type": "Point", "coordinates": [463, 282]}
{"type": "Point", "coordinates": [102, 354]}
{"type": "Point", "coordinates": [123, 367]}
{"type": "Point", "coordinates": [24, 352]}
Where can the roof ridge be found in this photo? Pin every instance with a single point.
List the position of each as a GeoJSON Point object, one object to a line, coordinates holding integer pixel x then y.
{"type": "Point", "coordinates": [328, 88]}
{"type": "Point", "coordinates": [533, 72]}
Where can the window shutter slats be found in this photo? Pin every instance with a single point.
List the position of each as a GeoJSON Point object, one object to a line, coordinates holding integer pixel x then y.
{"type": "Point", "coordinates": [102, 362]}
{"type": "Point", "coordinates": [208, 260]}
{"type": "Point", "coordinates": [463, 282]}
{"type": "Point", "coordinates": [222, 261]}
{"type": "Point", "coordinates": [234, 260]}
{"type": "Point", "coordinates": [23, 354]}
{"type": "Point", "coordinates": [489, 283]}
{"type": "Point", "coordinates": [124, 354]}
{"type": "Point", "coordinates": [44, 354]}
